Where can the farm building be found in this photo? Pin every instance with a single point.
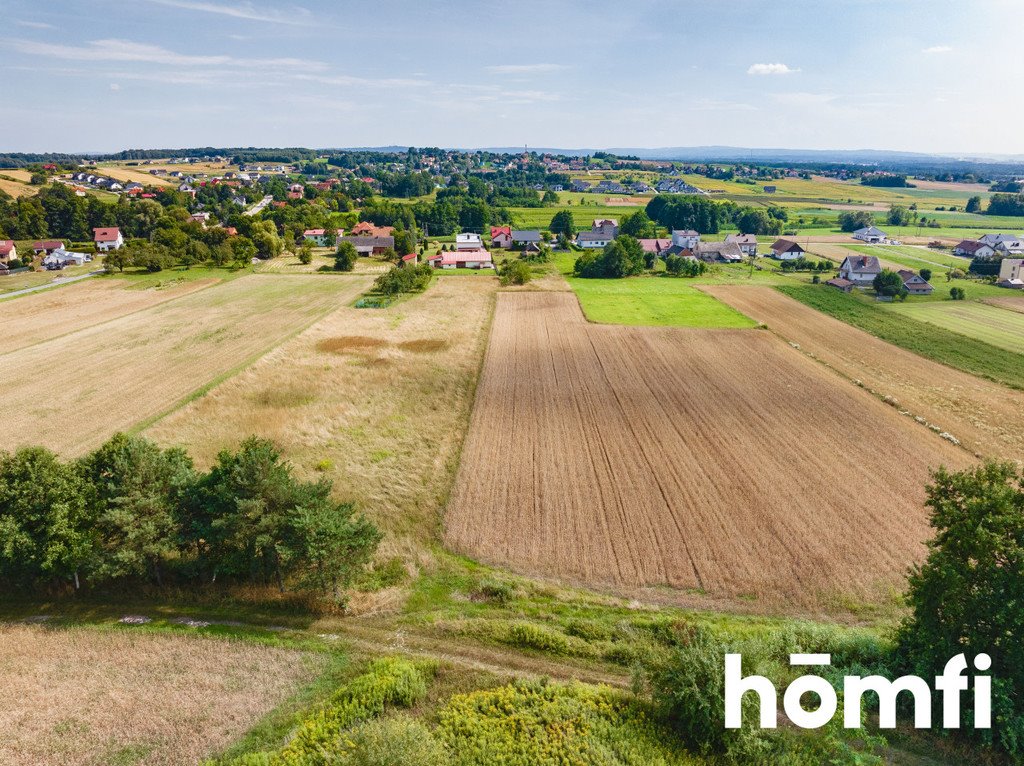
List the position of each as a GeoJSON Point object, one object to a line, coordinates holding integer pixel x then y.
{"type": "Point", "coordinates": [915, 283]}
{"type": "Point", "coordinates": [58, 259]}
{"type": "Point", "coordinates": [656, 246]}
{"type": "Point", "coordinates": [717, 252]}
{"type": "Point", "coordinates": [787, 250]}
{"type": "Point", "coordinates": [108, 238]}
{"type": "Point", "coordinates": [994, 239]}
{"type": "Point", "coordinates": [367, 229]}
{"type": "Point", "coordinates": [411, 259]}
{"type": "Point", "coordinates": [8, 250]}
{"type": "Point", "coordinates": [367, 246]}
{"type": "Point", "coordinates": [870, 234]}
{"type": "Point", "coordinates": [525, 237]}
{"type": "Point", "coordinates": [45, 247]}
{"type": "Point", "coordinates": [468, 241]}
{"type": "Point", "coordinates": [463, 259]}
{"type": "Point", "coordinates": [686, 239]}
{"type": "Point", "coordinates": [1011, 273]}
{"type": "Point", "coordinates": [592, 240]}
{"type": "Point", "coordinates": [501, 236]}
{"type": "Point", "coordinates": [320, 237]}
{"type": "Point", "coordinates": [841, 284]}
{"type": "Point", "coordinates": [746, 242]}
{"type": "Point", "coordinates": [972, 248]}
{"type": "Point", "coordinates": [1009, 247]}
{"type": "Point", "coordinates": [860, 269]}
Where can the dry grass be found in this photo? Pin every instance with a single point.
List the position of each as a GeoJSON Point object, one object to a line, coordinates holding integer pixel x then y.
{"type": "Point", "coordinates": [51, 313]}
{"type": "Point", "coordinates": [986, 417]}
{"type": "Point", "coordinates": [130, 175]}
{"type": "Point", "coordinates": [85, 697]}
{"type": "Point", "coordinates": [383, 420]}
{"type": "Point", "coordinates": [72, 392]}
{"type": "Point", "coordinates": [16, 188]}
{"type": "Point", "coordinates": [715, 461]}
{"type": "Point", "coordinates": [323, 258]}
{"type": "Point", "coordinates": [1011, 302]}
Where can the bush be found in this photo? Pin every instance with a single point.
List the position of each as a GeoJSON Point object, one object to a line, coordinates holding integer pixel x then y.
{"type": "Point", "coordinates": [514, 272]}
{"type": "Point", "coordinates": [346, 256]}
{"type": "Point", "coordinates": [497, 591]}
{"type": "Point", "coordinates": [404, 280]}
{"type": "Point", "coordinates": [526, 635]}
{"type": "Point", "coordinates": [396, 741]}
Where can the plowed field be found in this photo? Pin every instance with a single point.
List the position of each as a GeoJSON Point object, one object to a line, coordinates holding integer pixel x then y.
{"type": "Point", "coordinates": [720, 461]}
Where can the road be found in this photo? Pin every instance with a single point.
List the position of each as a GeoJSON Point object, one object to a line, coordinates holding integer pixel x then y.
{"type": "Point", "coordinates": [258, 207]}
{"type": "Point", "coordinates": [55, 283]}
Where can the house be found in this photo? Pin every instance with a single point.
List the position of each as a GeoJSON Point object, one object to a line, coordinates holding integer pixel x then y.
{"type": "Point", "coordinates": [1009, 247]}
{"type": "Point", "coordinates": [1011, 273]}
{"type": "Point", "coordinates": [468, 241]}
{"type": "Point", "coordinates": [972, 248]}
{"type": "Point", "coordinates": [58, 259]}
{"type": "Point", "coordinates": [592, 240]}
{"type": "Point", "coordinates": [108, 238]}
{"type": "Point", "coordinates": [718, 252]}
{"type": "Point", "coordinates": [685, 239]}
{"type": "Point", "coordinates": [655, 246]}
{"type": "Point", "coordinates": [320, 237]}
{"type": "Point", "coordinates": [501, 236]}
{"type": "Point", "coordinates": [367, 246]}
{"type": "Point", "coordinates": [870, 234]}
{"type": "Point", "coordinates": [860, 269]}
{"type": "Point", "coordinates": [200, 218]}
{"type": "Point", "coordinates": [8, 251]}
{"type": "Point", "coordinates": [995, 239]}
{"type": "Point", "coordinates": [463, 259]}
{"type": "Point", "coordinates": [47, 246]}
{"type": "Point", "coordinates": [787, 250]}
{"type": "Point", "coordinates": [841, 284]}
{"type": "Point", "coordinates": [410, 260]}
{"type": "Point", "coordinates": [915, 283]}
{"type": "Point", "coordinates": [746, 242]}
{"type": "Point", "coordinates": [608, 226]}
{"type": "Point", "coordinates": [579, 186]}
{"type": "Point", "coordinates": [367, 229]}
{"type": "Point", "coordinates": [525, 237]}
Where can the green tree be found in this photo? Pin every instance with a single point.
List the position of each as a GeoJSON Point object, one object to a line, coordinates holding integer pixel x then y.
{"type": "Point", "coordinates": [346, 256]}
{"type": "Point", "coordinates": [243, 250]}
{"type": "Point", "coordinates": [514, 272]}
{"type": "Point", "coordinates": [856, 219]}
{"type": "Point", "coordinates": [889, 283]}
{"type": "Point", "coordinates": [973, 204]}
{"type": "Point", "coordinates": [305, 253]}
{"type": "Point", "coordinates": [637, 225]}
{"type": "Point", "coordinates": [562, 223]}
{"type": "Point", "coordinates": [898, 216]}
{"type": "Point", "coordinates": [925, 274]}
{"type": "Point", "coordinates": [967, 595]}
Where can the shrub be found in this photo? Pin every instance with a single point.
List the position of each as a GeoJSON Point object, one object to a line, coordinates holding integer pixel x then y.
{"type": "Point", "coordinates": [526, 635]}
{"type": "Point", "coordinates": [588, 630]}
{"type": "Point", "coordinates": [395, 741]}
{"type": "Point", "coordinates": [498, 591]}
{"type": "Point", "coordinates": [346, 256]}
{"type": "Point", "coordinates": [405, 280]}
{"type": "Point", "coordinates": [514, 272]}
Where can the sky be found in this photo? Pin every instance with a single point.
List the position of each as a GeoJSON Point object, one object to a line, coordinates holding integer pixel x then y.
{"type": "Point", "coordinates": [912, 75]}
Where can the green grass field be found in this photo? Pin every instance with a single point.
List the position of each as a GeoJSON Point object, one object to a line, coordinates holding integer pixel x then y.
{"type": "Point", "coordinates": [652, 301]}
{"type": "Point", "coordinates": [901, 328]}
{"type": "Point", "coordinates": [914, 257]}
{"type": "Point", "coordinates": [989, 324]}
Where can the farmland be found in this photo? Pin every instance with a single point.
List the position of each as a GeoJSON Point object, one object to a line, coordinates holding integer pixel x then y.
{"type": "Point", "coordinates": [82, 696]}
{"type": "Point", "coordinates": [986, 417]}
{"type": "Point", "coordinates": [600, 431]}
{"type": "Point", "coordinates": [987, 323]}
{"type": "Point", "coordinates": [73, 391]}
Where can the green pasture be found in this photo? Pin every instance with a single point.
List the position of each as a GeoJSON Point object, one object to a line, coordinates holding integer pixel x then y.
{"type": "Point", "coordinates": [990, 324]}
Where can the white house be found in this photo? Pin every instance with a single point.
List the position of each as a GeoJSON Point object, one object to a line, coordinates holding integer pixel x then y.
{"type": "Point", "coordinates": [108, 238]}
{"type": "Point", "coordinates": [995, 239]}
{"type": "Point", "coordinates": [8, 250]}
{"type": "Point", "coordinates": [860, 269]}
{"type": "Point", "coordinates": [971, 248]}
{"type": "Point", "coordinates": [463, 259]}
{"type": "Point", "coordinates": [58, 259]}
{"type": "Point", "coordinates": [746, 242]}
{"type": "Point", "coordinates": [1011, 273]}
{"type": "Point", "coordinates": [468, 241]}
{"type": "Point", "coordinates": [686, 239]}
{"type": "Point", "coordinates": [787, 250]}
{"type": "Point", "coordinates": [501, 236]}
{"type": "Point", "coordinates": [870, 234]}
{"type": "Point", "coordinates": [593, 240]}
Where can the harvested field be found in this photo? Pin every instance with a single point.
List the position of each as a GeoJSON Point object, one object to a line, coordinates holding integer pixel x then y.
{"type": "Point", "coordinates": [705, 460]}
{"type": "Point", "coordinates": [991, 324]}
{"type": "Point", "coordinates": [51, 313]}
{"type": "Point", "coordinates": [1011, 302]}
{"type": "Point", "coordinates": [82, 697]}
{"type": "Point", "coordinates": [987, 417]}
{"type": "Point", "coordinates": [377, 400]}
{"type": "Point", "coordinates": [72, 392]}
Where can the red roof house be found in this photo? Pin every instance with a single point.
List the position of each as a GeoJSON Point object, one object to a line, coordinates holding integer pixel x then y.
{"type": "Point", "coordinates": [108, 238]}
{"type": "Point", "coordinates": [47, 246]}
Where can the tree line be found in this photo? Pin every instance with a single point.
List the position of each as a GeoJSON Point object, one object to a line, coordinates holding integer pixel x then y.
{"type": "Point", "coordinates": [132, 512]}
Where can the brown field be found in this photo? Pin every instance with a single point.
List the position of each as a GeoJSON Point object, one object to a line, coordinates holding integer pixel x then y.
{"type": "Point", "coordinates": [72, 392]}
{"type": "Point", "coordinates": [986, 417]}
{"type": "Point", "coordinates": [838, 253]}
{"type": "Point", "coordinates": [705, 460]}
{"type": "Point", "coordinates": [1011, 302]}
{"type": "Point", "coordinates": [129, 175]}
{"type": "Point", "coordinates": [322, 257]}
{"type": "Point", "coordinates": [51, 313]}
{"type": "Point", "coordinates": [16, 188]}
{"type": "Point", "coordinates": [377, 400]}
{"type": "Point", "coordinates": [89, 698]}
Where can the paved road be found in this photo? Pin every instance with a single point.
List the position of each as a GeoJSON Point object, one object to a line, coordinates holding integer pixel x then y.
{"type": "Point", "coordinates": [55, 283]}
{"type": "Point", "coordinates": [255, 209]}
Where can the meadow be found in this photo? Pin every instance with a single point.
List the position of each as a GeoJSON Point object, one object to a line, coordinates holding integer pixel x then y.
{"type": "Point", "coordinates": [987, 323]}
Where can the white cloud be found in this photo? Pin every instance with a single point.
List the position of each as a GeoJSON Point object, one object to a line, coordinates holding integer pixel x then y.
{"type": "Point", "coordinates": [115, 86]}
{"type": "Point", "coordinates": [34, 25]}
{"type": "Point", "coordinates": [524, 68]}
{"type": "Point", "coordinates": [761, 69]}
{"type": "Point", "coordinates": [937, 49]}
{"type": "Point", "coordinates": [294, 16]}
{"type": "Point", "coordinates": [126, 50]}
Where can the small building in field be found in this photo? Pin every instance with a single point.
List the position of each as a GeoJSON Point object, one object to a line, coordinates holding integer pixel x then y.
{"type": "Point", "coordinates": [787, 250]}
{"type": "Point", "coordinates": [108, 238]}
{"type": "Point", "coordinates": [1011, 273]}
{"type": "Point", "coordinates": [411, 259]}
{"type": "Point", "coordinates": [468, 241]}
{"type": "Point", "coordinates": [592, 240]}
{"type": "Point", "coordinates": [501, 236]}
{"type": "Point", "coordinates": [8, 251]}
{"type": "Point", "coordinates": [915, 283]}
{"type": "Point", "coordinates": [870, 234]}
{"type": "Point", "coordinates": [367, 246]}
{"type": "Point", "coordinates": [845, 285]}
{"type": "Point", "coordinates": [860, 269]}
{"type": "Point", "coordinates": [463, 259]}
{"type": "Point", "coordinates": [320, 237]}
{"type": "Point", "coordinates": [746, 242]}
{"type": "Point", "coordinates": [972, 248]}
{"type": "Point", "coordinates": [47, 246]}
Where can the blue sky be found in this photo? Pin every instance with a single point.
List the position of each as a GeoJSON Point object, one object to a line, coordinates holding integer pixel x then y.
{"type": "Point", "coordinates": [919, 75]}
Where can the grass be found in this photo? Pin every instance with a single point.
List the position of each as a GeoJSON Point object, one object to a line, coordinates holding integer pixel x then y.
{"type": "Point", "coordinates": [900, 328]}
{"type": "Point", "coordinates": [27, 279]}
{"type": "Point", "coordinates": [652, 301]}
{"type": "Point", "coordinates": [914, 257]}
{"type": "Point", "coordinates": [990, 324]}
